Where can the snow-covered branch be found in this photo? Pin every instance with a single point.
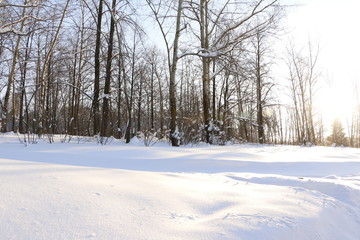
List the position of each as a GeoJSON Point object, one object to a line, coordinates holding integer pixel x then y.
{"type": "Point", "coordinates": [5, 30]}
{"type": "Point", "coordinates": [201, 52]}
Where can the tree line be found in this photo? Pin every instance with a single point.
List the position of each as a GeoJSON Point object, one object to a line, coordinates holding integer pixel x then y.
{"type": "Point", "coordinates": [186, 71]}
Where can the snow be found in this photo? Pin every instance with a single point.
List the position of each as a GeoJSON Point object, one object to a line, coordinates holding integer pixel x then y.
{"type": "Point", "coordinates": [83, 190]}
{"type": "Point", "coordinates": [4, 30]}
{"type": "Point", "coordinates": [201, 52]}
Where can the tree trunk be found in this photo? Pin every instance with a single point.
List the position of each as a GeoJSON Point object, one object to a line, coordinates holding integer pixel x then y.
{"type": "Point", "coordinates": [95, 101]}
{"type": "Point", "coordinates": [152, 98]}
{"type": "Point", "coordinates": [119, 97]}
{"type": "Point", "coordinates": [129, 99]}
{"type": "Point", "coordinates": [214, 93]}
{"type": "Point", "coordinates": [206, 67]}
{"type": "Point", "coordinates": [172, 88]}
{"type": "Point", "coordinates": [259, 110]}
{"type": "Point", "coordinates": [161, 100]}
{"type": "Point", "coordinates": [73, 93]}
{"type": "Point", "coordinates": [139, 104]}
{"type": "Point", "coordinates": [105, 113]}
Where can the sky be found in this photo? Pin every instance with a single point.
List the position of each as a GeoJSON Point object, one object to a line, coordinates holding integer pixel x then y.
{"type": "Point", "coordinates": [334, 26]}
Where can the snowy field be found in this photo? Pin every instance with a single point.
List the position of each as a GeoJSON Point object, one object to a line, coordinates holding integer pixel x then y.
{"type": "Point", "coordinates": [132, 192]}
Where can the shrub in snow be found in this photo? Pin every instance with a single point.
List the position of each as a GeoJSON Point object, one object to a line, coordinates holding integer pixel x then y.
{"type": "Point", "coordinates": [27, 138]}
{"type": "Point", "coordinates": [104, 140]}
{"type": "Point", "coordinates": [194, 134]}
{"type": "Point", "coordinates": [217, 137]}
{"type": "Point", "coordinates": [150, 137]}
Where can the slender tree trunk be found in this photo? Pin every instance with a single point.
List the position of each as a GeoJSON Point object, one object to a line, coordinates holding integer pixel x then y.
{"type": "Point", "coordinates": [128, 132]}
{"type": "Point", "coordinates": [172, 88]}
{"type": "Point", "coordinates": [161, 100]}
{"type": "Point", "coordinates": [260, 119]}
{"type": "Point", "coordinates": [214, 92]}
{"type": "Point", "coordinates": [105, 113]}
{"type": "Point", "coordinates": [121, 80]}
{"type": "Point", "coordinates": [225, 99]}
{"type": "Point", "coordinates": [139, 104]}
{"type": "Point", "coordinates": [35, 122]}
{"type": "Point", "coordinates": [78, 78]}
{"type": "Point", "coordinates": [23, 92]}
{"type": "Point", "coordinates": [119, 97]}
{"type": "Point", "coordinates": [55, 108]}
{"type": "Point", "coordinates": [206, 67]}
{"type": "Point", "coordinates": [47, 113]}
{"type": "Point", "coordinates": [152, 98]}
{"type": "Point", "coordinates": [73, 93]}
{"type": "Point", "coordinates": [14, 110]}
{"type": "Point", "coordinates": [95, 103]}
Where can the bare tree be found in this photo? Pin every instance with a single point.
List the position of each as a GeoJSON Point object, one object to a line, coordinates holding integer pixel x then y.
{"type": "Point", "coordinates": [43, 113]}
{"type": "Point", "coordinates": [5, 108]}
{"type": "Point", "coordinates": [221, 29]}
{"type": "Point", "coordinates": [14, 23]}
{"type": "Point", "coordinates": [172, 63]}
{"type": "Point", "coordinates": [92, 68]}
{"type": "Point", "coordinates": [262, 65]}
{"type": "Point", "coordinates": [303, 77]}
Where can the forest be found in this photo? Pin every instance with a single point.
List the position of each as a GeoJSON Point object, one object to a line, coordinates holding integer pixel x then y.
{"type": "Point", "coordinates": [185, 71]}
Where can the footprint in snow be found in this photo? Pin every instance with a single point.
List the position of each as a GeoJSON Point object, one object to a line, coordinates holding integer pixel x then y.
{"type": "Point", "coordinates": [97, 194]}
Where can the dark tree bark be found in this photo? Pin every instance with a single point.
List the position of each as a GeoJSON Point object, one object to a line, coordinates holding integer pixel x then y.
{"type": "Point", "coordinates": [152, 98]}
{"type": "Point", "coordinates": [139, 104]}
{"type": "Point", "coordinates": [214, 93]}
{"type": "Point", "coordinates": [129, 98]}
{"type": "Point", "coordinates": [204, 37]}
{"type": "Point", "coordinates": [106, 99]}
{"type": "Point", "coordinates": [119, 78]}
{"type": "Point", "coordinates": [172, 88]}
{"type": "Point", "coordinates": [95, 103]}
{"type": "Point", "coordinates": [259, 80]}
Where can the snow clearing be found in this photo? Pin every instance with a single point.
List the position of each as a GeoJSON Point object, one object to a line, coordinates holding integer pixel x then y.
{"type": "Point", "coordinates": [83, 190]}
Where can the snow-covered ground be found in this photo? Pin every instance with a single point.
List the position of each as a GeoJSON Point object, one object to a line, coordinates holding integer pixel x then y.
{"type": "Point", "coordinates": [117, 191]}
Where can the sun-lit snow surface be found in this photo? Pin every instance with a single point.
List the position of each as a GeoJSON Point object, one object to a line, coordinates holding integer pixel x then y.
{"type": "Point", "coordinates": [118, 191]}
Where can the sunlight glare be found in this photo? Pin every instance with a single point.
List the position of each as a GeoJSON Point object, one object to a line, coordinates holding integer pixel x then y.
{"type": "Point", "coordinates": [336, 102]}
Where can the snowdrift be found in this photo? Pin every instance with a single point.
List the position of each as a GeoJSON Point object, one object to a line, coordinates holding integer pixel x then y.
{"type": "Point", "coordinates": [87, 191]}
